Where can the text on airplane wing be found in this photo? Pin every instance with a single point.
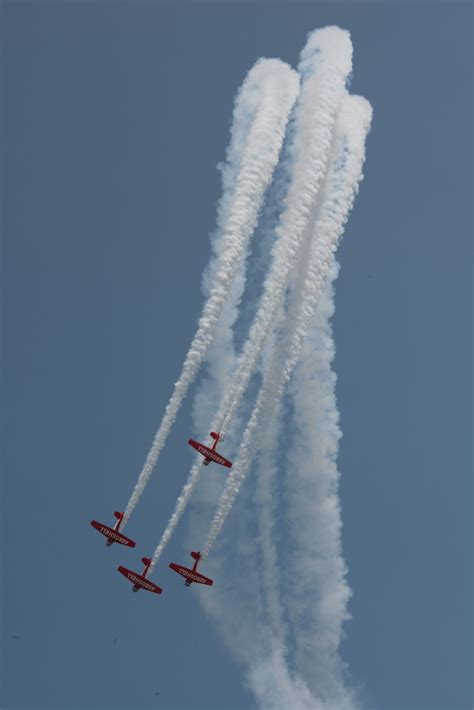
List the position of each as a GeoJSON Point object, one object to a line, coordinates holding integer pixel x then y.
{"type": "Point", "coordinates": [209, 453]}
{"type": "Point", "coordinates": [190, 574]}
{"type": "Point", "coordinates": [112, 535]}
{"type": "Point", "coordinates": [139, 581]}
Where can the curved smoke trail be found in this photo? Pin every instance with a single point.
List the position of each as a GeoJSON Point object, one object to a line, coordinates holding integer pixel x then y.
{"type": "Point", "coordinates": [352, 126]}
{"type": "Point", "coordinates": [317, 607]}
{"type": "Point", "coordinates": [288, 640]}
{"type": "Point", "coordinates": [266, 501]}
{"type": "Point", "coordinates": [316, 679]}
{"type": "Point", "coordinates": [325, 66]}
{"type": "Point", "coordinates": [262, 108]}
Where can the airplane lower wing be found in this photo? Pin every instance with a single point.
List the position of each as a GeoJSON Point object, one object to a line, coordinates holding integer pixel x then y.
{"type": "Point", "coordinates": [112, 535]}
{"type": "Point", "coordinates": [139, 581]}
{"type": "Point", "coordinates": [190, 575]}
{"type": "Point", "coordinates": [209, 454]}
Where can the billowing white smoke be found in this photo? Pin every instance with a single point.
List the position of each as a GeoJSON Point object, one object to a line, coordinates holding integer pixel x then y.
{"type": "Point", "coordinates": [287, 638]}
{"type": "Point", "coordinates": [314, 676]}
{"type": "Point", "coordinates": [325, 66]}
{"type": "Point", "coordinates": [261, 113]}
{"type": "Point", "coordinates": [266, 499]}
{"type": "Point", "coordinates": [338, 195]}
{"type": "Point", "coordinates": [319, 595]}
{"type": "Point", "coordinates": [316, 605]}
{"type": "Point", "coordinates": [266, 492]}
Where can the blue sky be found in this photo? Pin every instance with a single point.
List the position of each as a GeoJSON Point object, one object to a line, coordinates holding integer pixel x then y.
{"type": "Point", "coordinates": [116, 116]}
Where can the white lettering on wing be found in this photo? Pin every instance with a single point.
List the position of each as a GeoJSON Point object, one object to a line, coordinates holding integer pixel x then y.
{"type": "Point", "coordinates": [190, 574]}
{"type": "Point", "coordinates": [140, 581]}
{"type": "Point", "coordinates": [110, 533]}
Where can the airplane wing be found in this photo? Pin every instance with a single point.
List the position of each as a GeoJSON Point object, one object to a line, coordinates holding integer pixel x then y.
{"type": "Point", "coordinates": [190, 575]}
{"type": "Point", "coordinates": [221, 460]}
{"type": "Point", "coordinates": [204, 580]}
{"type": "Point", "coordinates": [112, 535]}
{"type": "Point", "coordinates": [209, 454]}
{"type": "Point", "coordinates": [139, 581]}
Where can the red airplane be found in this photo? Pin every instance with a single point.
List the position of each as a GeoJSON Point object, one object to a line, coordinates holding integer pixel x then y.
{"type": "Point", "coordinates": [139, 580]}
{"type": "Point", "coordinates": [210, 454]}
{"type": "Point", "coordinates": [191, 575]}
{"type": "Point", "coordinates": [113, 534]}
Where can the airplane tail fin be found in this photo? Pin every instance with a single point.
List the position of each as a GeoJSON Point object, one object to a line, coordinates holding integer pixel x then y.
{"type": "Point", "coordinates": [146, 560]}
{"type": "Point", "coordinates": [214, 434]}
{"type": "Point", "coordinates": [196, 555]}
{"type": "Point", "coordinates": [118, 515]}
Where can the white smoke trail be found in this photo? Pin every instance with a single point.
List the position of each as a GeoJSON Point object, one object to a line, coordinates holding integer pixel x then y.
{"type": "Point", "coordinates": [266, 500]}
{"type": "Point", "coordinates": [275, 686]}
{"type": "Point", "coordinates": [352, 125]}
{"type": "Point", "coordinates": [323, 677]}
{"type": "Point", "coordinates": [326, 62]}
{"type": "Point", "coordinates": [317, 604]}
{"type": "Point", "coordinates": [261, 113]}
{"type": "Point", "coordinates": [325, 65]}
{"type": "Point", "coordinates": [316, 678]}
